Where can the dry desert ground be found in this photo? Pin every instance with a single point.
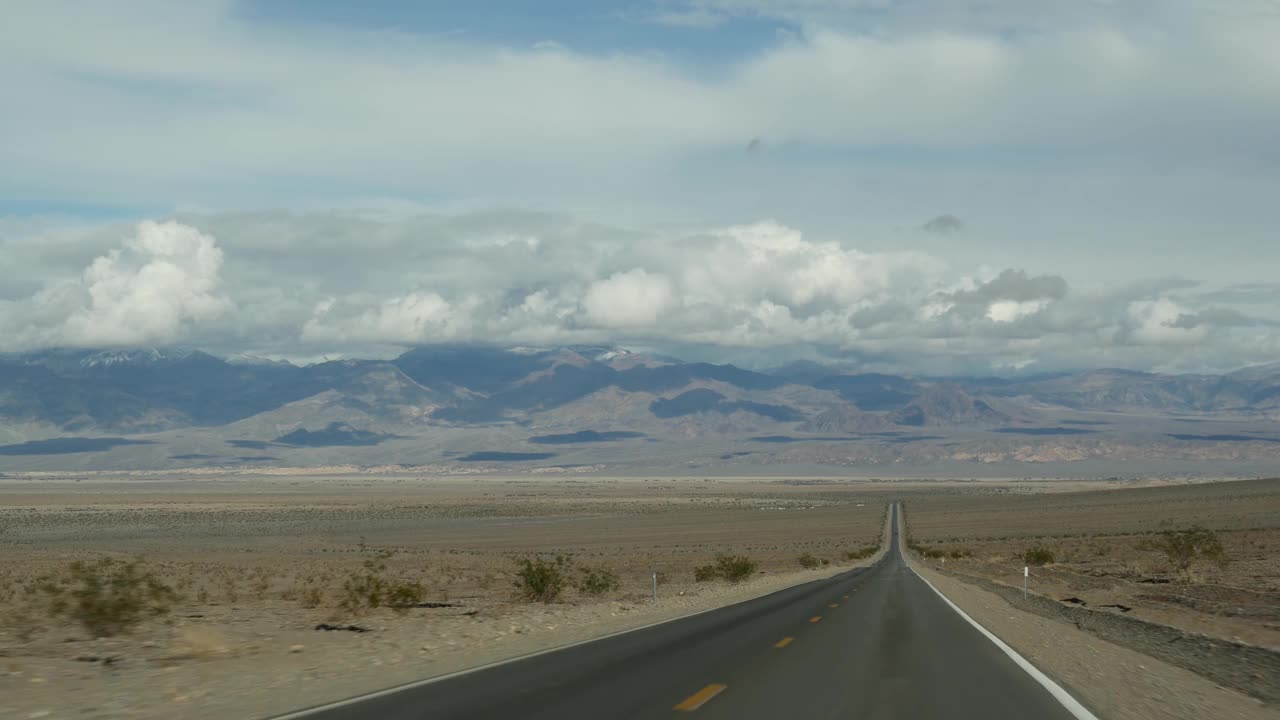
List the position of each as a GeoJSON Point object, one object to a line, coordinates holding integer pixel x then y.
{"type": "Point", "coordinates": [251, 566]}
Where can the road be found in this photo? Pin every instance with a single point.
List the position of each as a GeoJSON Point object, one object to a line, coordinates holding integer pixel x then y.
{"type": "Point", "coordinates": [873, 643]}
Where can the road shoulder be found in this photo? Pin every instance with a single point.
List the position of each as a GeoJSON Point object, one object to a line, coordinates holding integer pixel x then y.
{"type": "Point", "coordinates": [1114, 682]}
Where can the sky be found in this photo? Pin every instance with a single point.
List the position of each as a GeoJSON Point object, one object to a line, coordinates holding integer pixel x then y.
{"type": "Point", "coordinates": [928, 186]}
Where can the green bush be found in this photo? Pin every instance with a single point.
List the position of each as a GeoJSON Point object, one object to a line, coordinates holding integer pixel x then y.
{"type": "Point", "coordinates": [808, 561]}
{"type": "Point", "coordinates": [735, 568]}
{"type": "Point", "coordinates": [597, 581]}
{"type": "Point", "coordinates": [1183, 548]}
{"type": "Point", "coordinates": [704, 573]}
{"type": "Point", "coordinates": [541, 580]}
{"type": "Point", "coordinates": [1038, 556]}
{"type": "Point", "coordinates": [927, 552]}
{"type": "Point", "coordinates": [732, 568]}
{"type": "Point", "coordinates": [860, 553]}
{"type": "Point", "coordinates": [107, 597]}
{"type": "Point", "coordinates": [371, 588]}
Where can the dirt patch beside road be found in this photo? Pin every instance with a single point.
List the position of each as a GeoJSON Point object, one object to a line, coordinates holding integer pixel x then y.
{"type": "Point", "coordinates": [1100, 550]}
{"type": "Point", "coordinates": [1116, 683]}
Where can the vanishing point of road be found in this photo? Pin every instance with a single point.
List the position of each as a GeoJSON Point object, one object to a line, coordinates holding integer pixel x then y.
{"type": "Point", "coordinates": [875, 643]}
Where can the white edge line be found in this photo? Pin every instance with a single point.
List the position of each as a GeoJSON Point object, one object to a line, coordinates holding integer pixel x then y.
{"type": "Point", "coordinates": [307, 712]}
{"type": "Point", "coordinates": [1073, 706]}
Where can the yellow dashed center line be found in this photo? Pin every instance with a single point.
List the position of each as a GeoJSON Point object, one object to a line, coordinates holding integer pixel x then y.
{"type": "Point", "coordinates": [783, 642]}
{"type": "Point", "coordinates": [700, 698]}
{"type": "Point", "coordinates": [833, 605]}
{"type": "Point", "coordinates": [815, 618]}
{"type": "Point", "coordinates": [846, 597]}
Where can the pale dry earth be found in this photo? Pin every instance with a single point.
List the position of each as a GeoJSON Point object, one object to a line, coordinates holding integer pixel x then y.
{"type": "Point", "coordinates": [242, 642]}
{"type": "Point", "coordinates": [245, 551]}
{"type": "Point", "coordinates": [1102, 554]}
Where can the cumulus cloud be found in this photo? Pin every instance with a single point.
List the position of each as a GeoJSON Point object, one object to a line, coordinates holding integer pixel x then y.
{"type": "Point", "coordinates": [1010, 296]}
{"type": "Point", "coordinates": [307, 285]}
{"type": "Point", "coordinates": [631, 299]}
{"type": "Point", "coordinates": [1158, 322]}
{"type": "Point", "coordinates": [152, 289]}
{"type": "Point", "coordinates": [1004, 311]}
{"type": "Point", "coordinates": [418, 317]}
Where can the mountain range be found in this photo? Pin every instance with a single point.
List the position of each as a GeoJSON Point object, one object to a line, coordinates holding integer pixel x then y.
{"type": "Point", "coordinates": [522, 408]}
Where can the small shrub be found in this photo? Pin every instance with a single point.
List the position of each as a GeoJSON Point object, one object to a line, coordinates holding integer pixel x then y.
{"type": "Point", "coordinates": [704, 573]}
{"type": "Point", "coordinates": [1183, 548]}
{"type": "Point", "coordinates": [597, 581]}
{"type": "Point", "coordinates": [541, 580]}
{"type": "Point", "coordinates": [808, 561]}
{"type": "Point", "coordinates": [735, 568]}
{"type": "Point", "coordinates": [312, 597]}
{"type": "Point", "coordinates": [1038, 556]}
{"type": "Point", "coordinates": [732, 568]}
{"type": "Point", "coordinates": [107, 597]}
{"type": "Point", "coordinates": [403, 595]}
{"type": "Point", "coordinates": [927, 552]}
{"type": "Point", "coordinates": [371, 589]}
{"type": "Point", "coordinates": [860, 553]}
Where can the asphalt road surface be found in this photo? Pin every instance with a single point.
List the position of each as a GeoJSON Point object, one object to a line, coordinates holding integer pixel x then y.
{"type": "Point", "coordinates": [873, 643]}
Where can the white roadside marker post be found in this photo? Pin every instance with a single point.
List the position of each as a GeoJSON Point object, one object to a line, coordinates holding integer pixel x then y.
{"type": "Point", "coordinates": [655, 588]}
{"type": "Point", "coordinates": [1026, 571]}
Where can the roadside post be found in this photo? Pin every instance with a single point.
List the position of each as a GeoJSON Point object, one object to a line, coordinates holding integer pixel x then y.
{"type": "Point", "coordinates": [655, 588]}
{"type": "Point", "coordinates": [1026, 571]}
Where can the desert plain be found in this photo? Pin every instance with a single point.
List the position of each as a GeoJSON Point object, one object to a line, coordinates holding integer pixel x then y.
{"type": "Point", "coordinates": [266, 572]}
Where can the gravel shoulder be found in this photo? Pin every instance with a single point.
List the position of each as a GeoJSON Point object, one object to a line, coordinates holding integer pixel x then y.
{"type": "Point", "coordinates": [1114, 682]}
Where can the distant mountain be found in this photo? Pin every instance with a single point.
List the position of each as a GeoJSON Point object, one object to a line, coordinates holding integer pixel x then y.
{"type": "Point", "coordinates": [1120, 390]}
{"type": "Point", "coordinates": [872, 391]}
{"type": "Point", "coordinates": [846, 418]}
{"type": "Point", "coordinates": [944, 404]}
{"type": "Point", "coordinates": [500, 402]}
{"type": "Point", "coordinates": [335, 434]}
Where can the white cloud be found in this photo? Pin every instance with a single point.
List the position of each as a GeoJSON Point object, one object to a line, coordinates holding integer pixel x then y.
{"type": "Point", "coordinates": [331, 283]}
{"type": "Point", "coordinates": [631, 299]}
{"type": "Point", "coordinates": [419, 317]}
{"type": "Point", "coordinates": [152, 289]}
{"type": "Point", "coordinates": [1156, 322]}
{"type": "Point", "coordinates": [1004, 311]}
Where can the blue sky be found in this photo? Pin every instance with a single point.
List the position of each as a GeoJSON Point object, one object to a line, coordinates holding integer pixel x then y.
{"type": "Point", "coordinates": [1128, 147]}
{"type": "Point", "coordinates": [600, 27]}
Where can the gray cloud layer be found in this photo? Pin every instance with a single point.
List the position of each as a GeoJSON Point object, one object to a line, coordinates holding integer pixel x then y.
{"type": "Point", "coordinates": [209, 104]}
{"type": "Point", "coordinates": [1081, 143]}
{"type": "Point", "coordinates": [305, 284]}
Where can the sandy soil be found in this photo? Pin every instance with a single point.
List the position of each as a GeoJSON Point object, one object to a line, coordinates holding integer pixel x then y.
{"type": "Point", "coordinates": [226, 665]}
{"type": "Point", "coordinates": [1099, 541]}
{"type": "Point", "coordinates": [260, 561]}
{"type": "Point", "coordinates": [246, 556]}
